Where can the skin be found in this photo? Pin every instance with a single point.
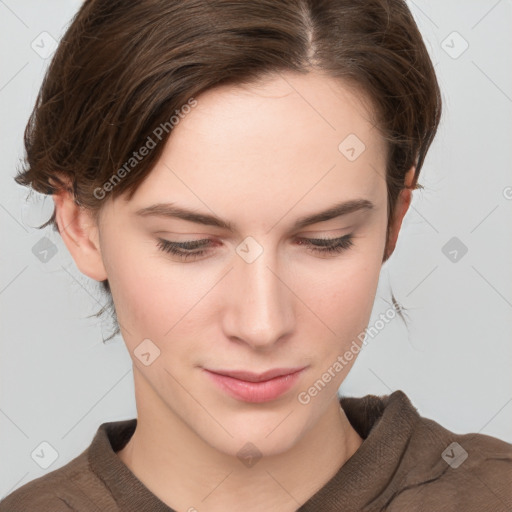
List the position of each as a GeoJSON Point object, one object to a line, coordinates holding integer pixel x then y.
{"type": "Point", "coordinates": [259, 157]}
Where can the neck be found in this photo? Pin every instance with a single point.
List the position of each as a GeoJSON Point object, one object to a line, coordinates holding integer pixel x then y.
{"type": "Point", "coordinates": [191, 474]}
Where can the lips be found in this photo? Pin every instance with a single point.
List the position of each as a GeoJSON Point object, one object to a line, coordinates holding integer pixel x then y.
{"type": "Point", "coordinates": [257, 377]}
{"type": "Point", "coordinates": [255, 387]}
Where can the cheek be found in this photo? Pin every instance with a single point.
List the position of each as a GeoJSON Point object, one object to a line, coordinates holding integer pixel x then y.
{"type": "Point", "coordinates": [136, 286]}
{"type": "Point", "coordinates": [342, 295]}
{"type": "Point", "coordinates": [154, 299]}
{"type": "Point", "coordinates": [345, 302]}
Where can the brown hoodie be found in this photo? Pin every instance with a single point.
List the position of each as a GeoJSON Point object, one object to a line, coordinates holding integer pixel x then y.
{"type": "Point", "coordinates": [406, 463]}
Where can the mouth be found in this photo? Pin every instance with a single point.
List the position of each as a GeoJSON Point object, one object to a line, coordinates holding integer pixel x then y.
{"type": "Point", "coordinates": [255, 387]}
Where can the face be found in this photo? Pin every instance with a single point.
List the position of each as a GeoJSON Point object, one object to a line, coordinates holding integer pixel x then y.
{"type": "Point", "coordinates": [256, 290]}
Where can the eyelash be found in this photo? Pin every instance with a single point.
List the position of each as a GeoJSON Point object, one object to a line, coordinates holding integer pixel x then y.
{"type": "Point", "coordinates": [330, 246]}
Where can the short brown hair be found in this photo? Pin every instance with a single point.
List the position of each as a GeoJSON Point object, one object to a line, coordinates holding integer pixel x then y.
{"type": "Point", "coordinates": [124, 68]}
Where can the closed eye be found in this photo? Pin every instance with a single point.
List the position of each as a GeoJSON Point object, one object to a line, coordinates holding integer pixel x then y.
{"type": "Point", "coordinates": [197, 248]}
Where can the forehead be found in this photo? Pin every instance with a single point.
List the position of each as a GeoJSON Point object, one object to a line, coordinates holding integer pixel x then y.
{"type": "Point", "coordinates": [287, 108]}
{"type": "Point", "coordinates": [287, 137]}
{"type": "Point", "coordinates": [296, 107]}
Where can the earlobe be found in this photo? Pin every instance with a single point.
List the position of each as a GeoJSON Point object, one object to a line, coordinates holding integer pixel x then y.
{"type": "Point", "coordinates": [80, 234]}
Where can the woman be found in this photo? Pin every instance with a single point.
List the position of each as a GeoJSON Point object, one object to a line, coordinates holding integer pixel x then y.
{"type": "Point", "coordinates": [242, 254]}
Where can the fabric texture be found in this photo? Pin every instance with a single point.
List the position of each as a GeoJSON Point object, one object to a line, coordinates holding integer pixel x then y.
{"type": "Point", "coordinates": [406, 463]}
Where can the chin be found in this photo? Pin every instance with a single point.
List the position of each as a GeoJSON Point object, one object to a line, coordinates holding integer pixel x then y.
{"type": "Point", "coordinates": [269, 436]}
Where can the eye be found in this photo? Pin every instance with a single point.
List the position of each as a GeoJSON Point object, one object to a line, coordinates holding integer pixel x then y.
{"type": "Point", "coordinates": [184, 250]}
{"type": "Point", "coordinates": [329, 245]}
{"type": "Point", "coordinates": [197, 248]}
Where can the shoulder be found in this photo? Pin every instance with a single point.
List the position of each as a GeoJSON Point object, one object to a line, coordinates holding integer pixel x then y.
{"type": "Point", "coordinates": [44, 492]}
{"type": "Point", "coordinates": [61, 490]}
{"type": "Point", "coordinates": [85, 483]}
{"type": "Point", "coordinates": [470, 471]}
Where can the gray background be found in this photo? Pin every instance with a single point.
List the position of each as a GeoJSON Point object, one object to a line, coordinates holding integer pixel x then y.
{"type": "Point", "coordinates": [59, 382]}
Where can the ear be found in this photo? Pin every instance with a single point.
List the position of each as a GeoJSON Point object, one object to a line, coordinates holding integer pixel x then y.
{"type": "Point", "coordinates": [402, 205]}
{"type": "Point", "coordinates": [80, 234]}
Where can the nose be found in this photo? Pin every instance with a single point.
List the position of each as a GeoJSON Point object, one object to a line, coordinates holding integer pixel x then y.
{"type": "Point", "coordinates": [260, 307]}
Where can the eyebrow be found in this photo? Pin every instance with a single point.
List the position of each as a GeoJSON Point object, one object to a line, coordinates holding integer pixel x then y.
{"type": "Point", "coordinates": [174, 211]}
